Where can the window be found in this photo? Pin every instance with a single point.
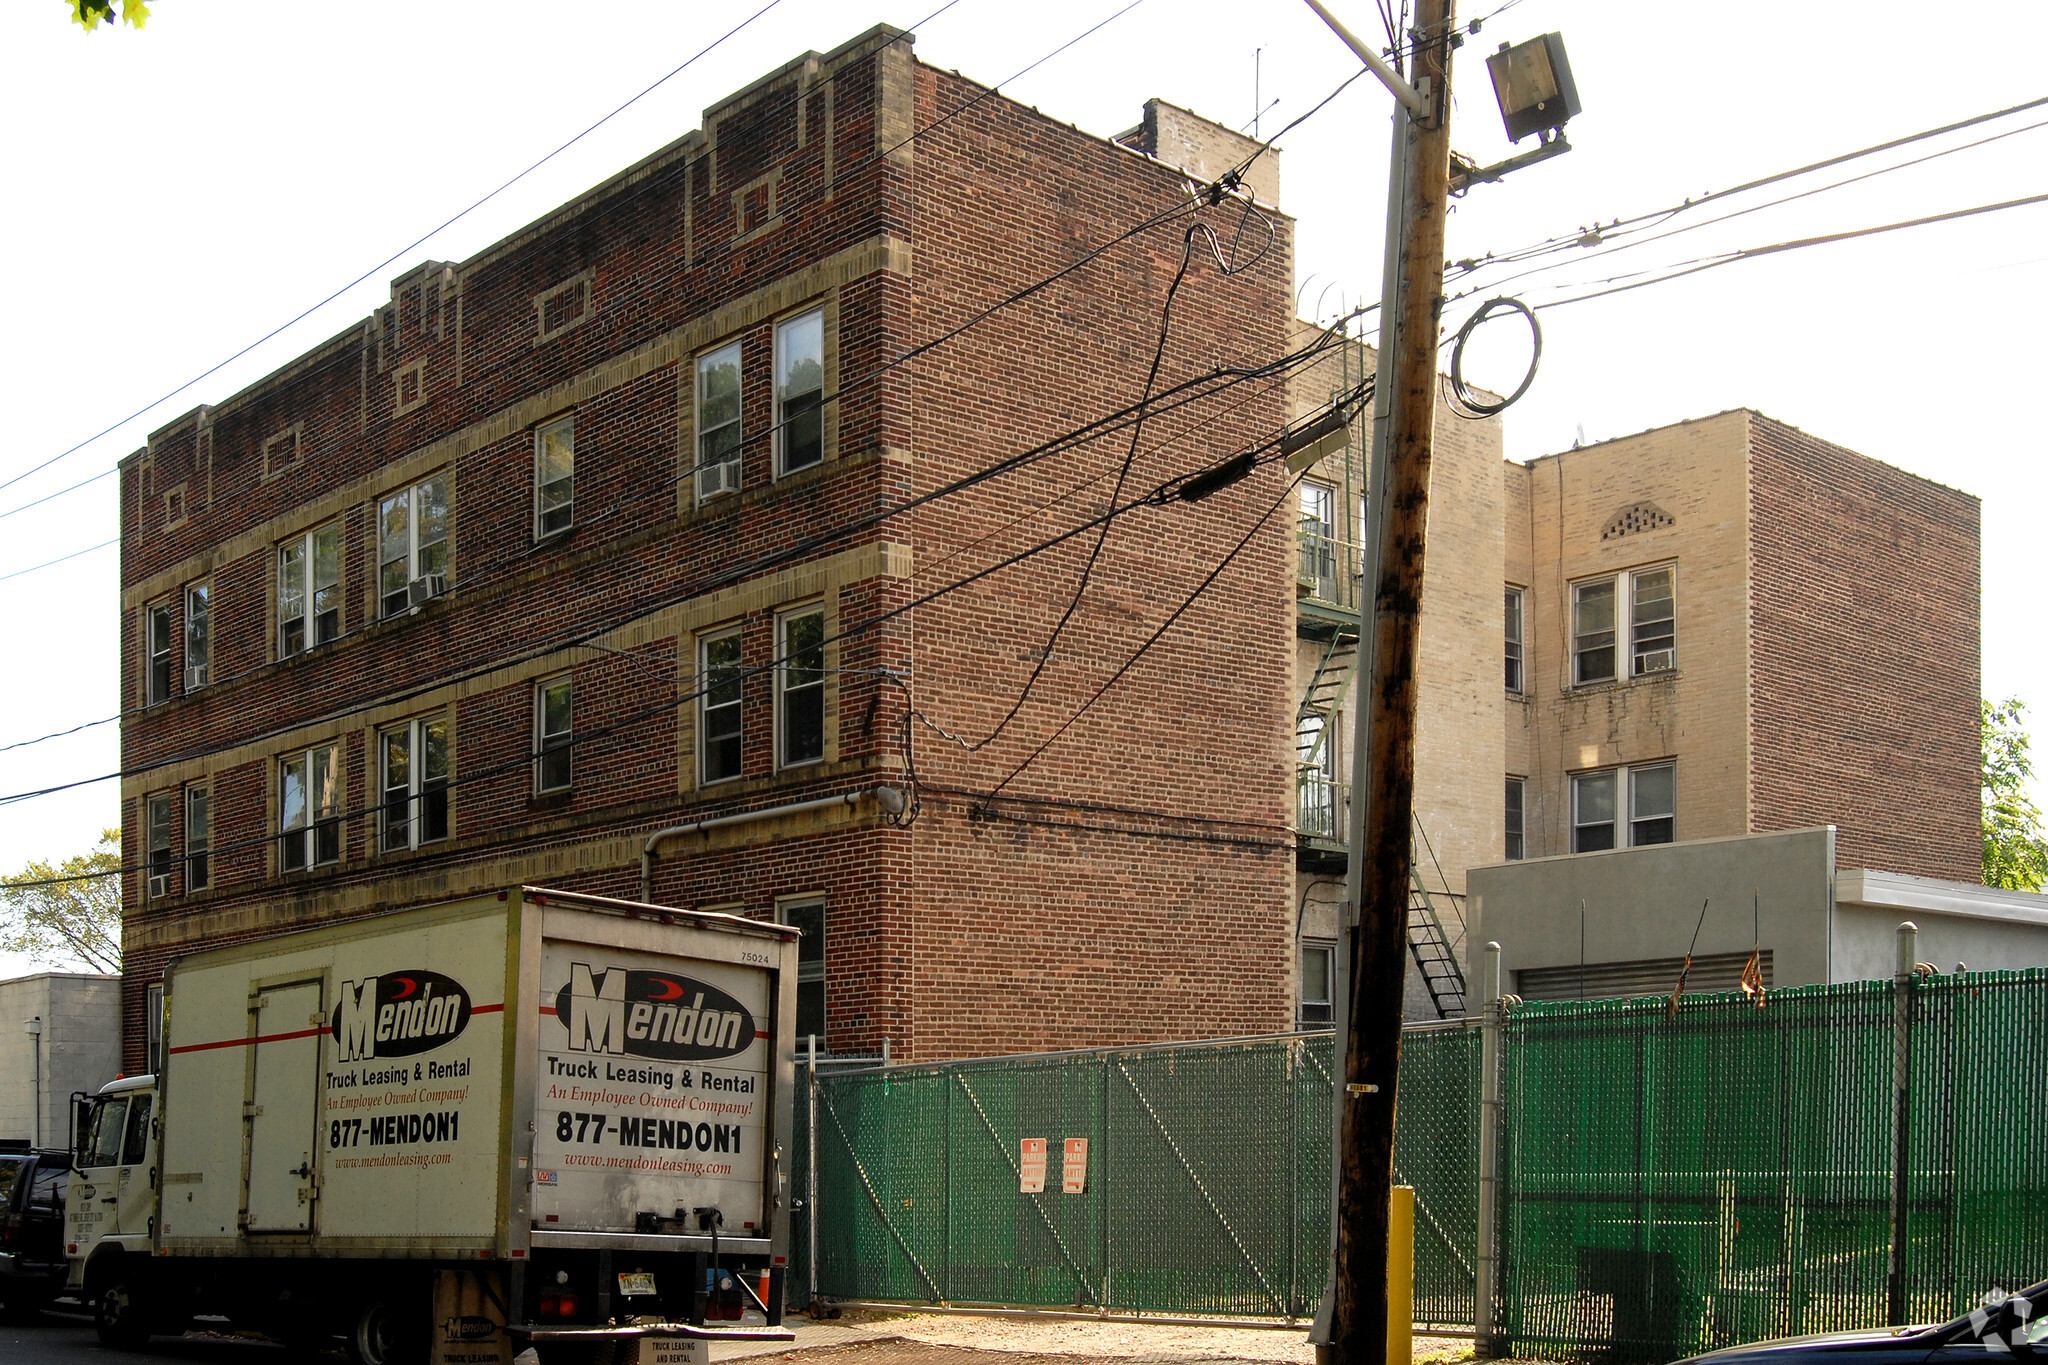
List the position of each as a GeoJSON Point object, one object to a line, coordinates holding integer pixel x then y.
{"type": "Point", "coordinates": [1318, 961]}
{"type": "Point", "coordinates": [809, 916]}
{"type": "Point", "coordinates": [415, 781]}
{"type": "Point", "coordinates": [309, 590]}
{"type": "Point", "coordinates": [412, 545]}
{"type": "Point", "coordinates": [800, 391]}
{"type": "Point", "coordinates": [109, 1119]}
{"type": "Point", "coordinates": [309, 808]}
{"type": "Point", "coordinates": [554, 478]}
{"type": "Point", "coordinates": [1317, 532]}
{"type": "Point", "coordinates": [156, 648]}
{"type": "Point", "coordinates": [718, 672]}
{"type": "Point", "coordinates": [1652, 794]}
{"type": "Point", "coordinates": [135, 1142]}
{"type": "Point", "coordinates": [1515, 849]}
{"type": "Point", "coordinates": [551, 725]}
{"type": "Point", "coordinates": [153, 1027]}
{"type": "Point", "coordinates": [1511, 616]}
{"type": "Point", "coordinates": [1653, 624]}
{"type": "Point", "coordinates": [801, 682]}
{"type": "Point", "coordinates": [198, 635]}
{"type": "Point", "coordinates": [198, 838]}
{"type": "Point", "coordinates": [156, 833]}
{"type": "Point", "coordinates": [718, 422]}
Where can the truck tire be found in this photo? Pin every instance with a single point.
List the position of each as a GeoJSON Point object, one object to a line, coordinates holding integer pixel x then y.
{"type": "Point", "coordinates": [120, 1313]}
{"type": "Point", "coordinates": [380, 1332]}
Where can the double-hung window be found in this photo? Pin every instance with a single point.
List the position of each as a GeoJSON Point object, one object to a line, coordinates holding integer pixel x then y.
{"type": "Point", "coordinates": [800, 391]}
{"type": "Point", "coordinates": [1599, 819]}
{"type": "Point", "coordinates": [1317, 532]}
{"type": "Point", "coordinates": [309, 808]}
{"type": "Point", "coordinates": [719, 726]}
{"type": "Point", "coordinates": [413, 761]}
{"type": "Point", "coordinates": [800, 683]}
{"type": "Point", "coordinates": [156, 832]}
{"type": "Point", "coordinates": [554, 478]}
{"type": "Point", "coordinates": [718, 422]}
{"type": "Point", "coordinates": [808, 916]}
{"type": "Point", "coordinates": [198, 838]}
{"type": "Point", "coordinates": [1511, 617]}
{"type": "Point", "coordinates": [1318, 963]}
{"type": "Point", "coordinates": [1646, 598]}
{"type": "Point", "coordinates": [1515, 848]}
{"type": "Point", "coordinates": [156, 649]}
{"type": "Point", "coordinates": [412, 545]}
{"type": "Point", "coordinates": [552, 721]}
{"type": "Point", "coordinates": [309, 590]}
{"type": "Point", "coordinates": [198, 635]}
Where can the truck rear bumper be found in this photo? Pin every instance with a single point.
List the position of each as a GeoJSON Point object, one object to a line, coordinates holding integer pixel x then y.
{"type": "Point", "coordinates": [534, 1331]}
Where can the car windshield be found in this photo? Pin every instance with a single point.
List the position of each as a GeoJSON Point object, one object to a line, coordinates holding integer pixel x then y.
{"type": "Point", "coordinates": [2015, 1320]}
{"type": "Point", "coordinates": [107, 1122]}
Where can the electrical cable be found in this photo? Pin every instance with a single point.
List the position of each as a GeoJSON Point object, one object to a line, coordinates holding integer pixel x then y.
{"type": "Point", "coordinates": [1463, 393]}
{"type": "Point", "coordinates": [60, 559]}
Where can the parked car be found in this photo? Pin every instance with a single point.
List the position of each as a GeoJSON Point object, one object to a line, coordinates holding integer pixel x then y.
{"type": "Point", "coordinates": [32, 1186]}
{"type": "Point", "coordinates": [2007, 1329]}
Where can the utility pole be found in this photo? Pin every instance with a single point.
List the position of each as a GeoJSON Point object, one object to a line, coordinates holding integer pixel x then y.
{"type": "Point", "coordinates": [1352, 1327]}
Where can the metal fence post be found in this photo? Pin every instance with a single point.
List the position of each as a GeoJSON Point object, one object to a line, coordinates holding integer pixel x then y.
{"type": "Point", "coordinates": [1902, 1117]}
{"type": "Point", "coordinates": [811, 1175]}
{"type": "Point", "coordinates": [1486, 1261]}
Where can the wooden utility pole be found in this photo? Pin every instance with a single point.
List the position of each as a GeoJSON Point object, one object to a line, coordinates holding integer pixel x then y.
{"type": "Point", "coordinates": [1381, 846]}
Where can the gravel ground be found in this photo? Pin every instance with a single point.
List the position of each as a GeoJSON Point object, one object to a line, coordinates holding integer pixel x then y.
{"type": "Point", "coordinates": [1139, 1343]}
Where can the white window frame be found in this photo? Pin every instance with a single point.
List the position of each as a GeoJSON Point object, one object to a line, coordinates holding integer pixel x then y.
{"type": "Point", "coordinates": [1312, 1011]}
{"type": "Point", "coordinates": [316, 626]}
{"type": "Point", "coordinates": [1626, 822]}
{"type": "Point", "coordinates": [1649, 647]}
{"type": "Point", "coordinates": [418, 558]}
{"type": "Point", "coordinates": [158, 813]}
{"type": "Point", "coordinates": [1515, 820]}
{"type": "Point", "coordinates": [156, 653]}
{"type": "Point", "coordinates": [314, 827]}
{"type": "Point", "coordinates": [785, 690]}
{"type": "Point", "coordinates": [811, 973]}
{"type": "Point", "coordinates": [553, 757]}
{"type": "Point", "coordinates": [554, 499]}
{"type": "Point", "coordinates": [785, 396]}
{"type": "Point", "coordinates": [725, 698]}
{"type": "Point", "coordinates": [198, 837]}
{"type": "Point", "coordinates": [1514, 626]}
{"type": "Point", "coordinates": [717, 477]}
{"type": "Point", "coordinates": [424, 794]}
{"type": "Point", "coordinates": [198, 635]}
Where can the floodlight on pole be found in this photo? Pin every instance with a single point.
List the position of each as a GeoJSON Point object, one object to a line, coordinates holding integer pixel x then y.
{"type": "Point", "coordinates": [1532, 83]}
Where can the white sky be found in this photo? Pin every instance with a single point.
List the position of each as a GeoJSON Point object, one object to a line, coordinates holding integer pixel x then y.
{"type": "Point", "coordinates": [179, 192]}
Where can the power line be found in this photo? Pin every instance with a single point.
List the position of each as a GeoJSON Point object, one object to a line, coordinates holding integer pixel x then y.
{"type": "Point", "coordinates": [60, 559]}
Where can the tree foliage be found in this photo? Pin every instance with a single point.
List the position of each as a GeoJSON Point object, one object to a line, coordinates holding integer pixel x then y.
{"type": "Point", "coordinates": [2015, 853]}
{"type": "Point", "coordinates": [75, 917]}
{"type": "Point", "coordinates": [87, 14]}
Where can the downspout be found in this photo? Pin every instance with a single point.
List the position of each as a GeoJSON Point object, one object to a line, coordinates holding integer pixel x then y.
{"type": "Point", "coordinates": [889, 799]}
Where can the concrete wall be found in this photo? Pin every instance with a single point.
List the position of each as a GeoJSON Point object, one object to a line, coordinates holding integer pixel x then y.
{"type": "Point", "coordinates": [1979, 927]}
{"type": "Point", "coordinates": [81, 1048]}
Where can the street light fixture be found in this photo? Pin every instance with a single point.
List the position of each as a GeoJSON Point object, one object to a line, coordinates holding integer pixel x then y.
{"type": "Point", "coordinates": [34, 1029]}
{"type": "Point", "coordinates": [1532, 83]}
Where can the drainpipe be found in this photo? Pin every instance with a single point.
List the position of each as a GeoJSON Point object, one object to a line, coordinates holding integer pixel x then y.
{"type": "Point", "coordinates": [890, 799]}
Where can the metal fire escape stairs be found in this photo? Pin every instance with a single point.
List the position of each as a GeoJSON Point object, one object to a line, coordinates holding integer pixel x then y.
{"type": "Point", "coordinates": [1436, 957]}
{"type": "Point", "coordinates": [1324, 697]}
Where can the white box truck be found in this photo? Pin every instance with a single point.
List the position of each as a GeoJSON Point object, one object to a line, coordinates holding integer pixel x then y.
{"type": "Point", "coordinates": [530, 1118]}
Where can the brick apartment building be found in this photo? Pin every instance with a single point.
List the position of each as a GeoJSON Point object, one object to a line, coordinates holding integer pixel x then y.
{"type": "Point", "coordinates": [613, 528]}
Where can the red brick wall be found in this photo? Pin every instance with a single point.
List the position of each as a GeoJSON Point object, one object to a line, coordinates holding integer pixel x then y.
{"type": "Point", "coordinates": [1864, 682]}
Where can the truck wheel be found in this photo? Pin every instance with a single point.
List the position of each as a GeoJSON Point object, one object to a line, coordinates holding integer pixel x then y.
{"type": "Point", "coordinates": [379, 1334]}
{"type": "Point", "coordinates": [121, 1315]}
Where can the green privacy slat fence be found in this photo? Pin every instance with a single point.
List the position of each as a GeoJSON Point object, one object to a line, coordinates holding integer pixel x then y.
{"type": "Point", "coordinates": [1666, 1185]}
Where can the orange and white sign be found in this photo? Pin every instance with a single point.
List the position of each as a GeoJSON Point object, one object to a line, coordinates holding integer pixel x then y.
{"type": "Point", "coordinates": [1031, 1166]}
{"type": "Point", "coordinates": [1074, 1169]}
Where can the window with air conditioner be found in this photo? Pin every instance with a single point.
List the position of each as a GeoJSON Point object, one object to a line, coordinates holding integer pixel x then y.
{"type": "Point", "coordinates": [718, 422]}
{"type": "Point", "coordinates": [309, 590]}
{"type": "Point", "coordinates": [412, 546]}
{"type": "Point", "coordinates": [1511, 617]}
{"type": "Point", "coordinates": [198, 838]}
{"type": "Point", "coordinates": [1647, 600]}
{"type": "Point", "coordinates": [1316, 530]}
{"type": "Point", "coordinates": [800, 687]}
{"type": "Point", "coordinates": [156, 837]}
{"type": "Point", "coordinates": [1515, 849]}
{"type": "Point", "coordinates": [553, 720]}
{"type": "Point", "coordinates": [1624, 807]}
{"type": "Point", "coordinates": [413, 761]}
{"type": "Point", "coordinates": [800, 391]}
{"type": "Point", "coordinates": [309, 808]}
{"type": "Point", "coordinates": [198, 635]}
{"type": "Point", "coordinates": [809, 917]}
{"type": "Point", "coordinates": [1318, 973]}
{"type": "Point", "coordinates": [719, 720]}
{"type": "Point", "coordinates": [156, 653]}
{"type": "Point", "coordinates": [554, 478]}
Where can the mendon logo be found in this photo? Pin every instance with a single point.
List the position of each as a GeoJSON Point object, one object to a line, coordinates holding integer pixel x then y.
{"type": "Point", "coordinates": [659, 1015]}
{"type": "Point", "coordinates": [398, 1014]}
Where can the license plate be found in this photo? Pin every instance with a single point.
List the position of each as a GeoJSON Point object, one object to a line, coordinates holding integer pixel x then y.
{"type": "Point", "coordinates": [636, 1282]}
{"type": "Point", "coordinates": [675, 1351]}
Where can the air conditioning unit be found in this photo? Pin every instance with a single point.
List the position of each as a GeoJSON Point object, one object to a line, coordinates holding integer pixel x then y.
{"type": "Point", "coordinates": [714, 479]}
{"type": "Point", "coordinates": [1656, 661]}
{"type": "Point", "coordinates": [195, 677]}
{"type": "Point", "coordinates": [160, 885]}
{"type": "Point", "coordinates": [424, 588]}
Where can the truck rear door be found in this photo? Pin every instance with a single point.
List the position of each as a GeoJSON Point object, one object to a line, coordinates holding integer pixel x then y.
{"type": "Point", "coordinates": [283, 1107]}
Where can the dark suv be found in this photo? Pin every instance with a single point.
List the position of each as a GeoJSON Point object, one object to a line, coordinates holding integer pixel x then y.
{"type": "Point", "coordinates": [32, 1183]}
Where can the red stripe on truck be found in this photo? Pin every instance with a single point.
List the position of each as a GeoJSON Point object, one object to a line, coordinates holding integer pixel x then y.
{"type": "Point", "coordinates": [300, 1033]}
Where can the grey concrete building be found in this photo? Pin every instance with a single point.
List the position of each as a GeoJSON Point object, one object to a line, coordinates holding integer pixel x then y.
{"type": "Point", "coordinates": [77, 1047]}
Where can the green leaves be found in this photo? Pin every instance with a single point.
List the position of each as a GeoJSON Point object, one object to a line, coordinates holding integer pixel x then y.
{"type": "Point", "coordinates": [65, 922]}
{"type": "Point", "coordinates": [87, 14]}
{"type": "Point", "coordinates": [2015, 854]}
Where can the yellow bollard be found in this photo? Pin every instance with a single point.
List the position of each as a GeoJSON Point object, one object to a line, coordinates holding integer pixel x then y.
{"type": "Point", "coordinates": [1401, 1276]}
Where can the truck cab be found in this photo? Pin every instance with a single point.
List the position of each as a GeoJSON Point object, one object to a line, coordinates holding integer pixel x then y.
{"type": "Point", "coordinates": [110, 1213]}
